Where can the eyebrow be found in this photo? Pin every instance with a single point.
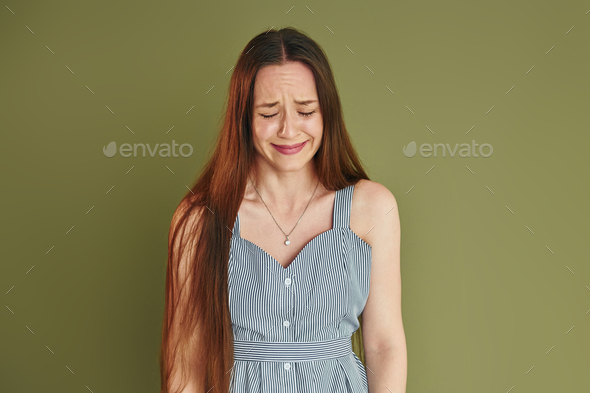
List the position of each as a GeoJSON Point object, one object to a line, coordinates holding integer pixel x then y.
{"type": "Point", "coordinates": [271, 104]}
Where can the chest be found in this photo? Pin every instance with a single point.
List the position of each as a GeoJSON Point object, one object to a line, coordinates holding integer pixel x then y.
{"type": "Point", "coordinates": [270, 232]}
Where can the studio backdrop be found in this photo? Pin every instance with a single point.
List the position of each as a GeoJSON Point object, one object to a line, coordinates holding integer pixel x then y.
{"type": "Point", "coordinates": [473, 114]}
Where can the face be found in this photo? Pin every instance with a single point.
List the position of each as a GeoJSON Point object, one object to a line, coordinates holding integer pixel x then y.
{"type": "Point", "coordinates": [286, 112]}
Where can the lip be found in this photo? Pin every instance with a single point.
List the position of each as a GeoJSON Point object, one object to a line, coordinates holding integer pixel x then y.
{"type": "Point", "coordinates": [290, 149]}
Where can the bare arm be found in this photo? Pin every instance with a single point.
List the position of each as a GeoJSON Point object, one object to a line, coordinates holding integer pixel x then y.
{"type": "Point", "coordinates": [183, 280]}
{"type": "Point", "coordinates": [383, 331]}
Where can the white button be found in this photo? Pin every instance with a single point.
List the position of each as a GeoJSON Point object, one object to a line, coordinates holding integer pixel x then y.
{"type": "Point", "coordinates": [286, 323]}
{"type": "Point", "coordinates": [287, 366]}
{"type": "Point", "coordinates": [287, 281]}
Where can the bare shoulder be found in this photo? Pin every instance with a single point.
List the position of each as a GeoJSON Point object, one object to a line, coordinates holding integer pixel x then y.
{"type": "Point", "coordinates": [373, 206]}
{"type": "Point", "coordinates": [373, 199]}
{"type": "Point", "coordinates": [185, 226]}
{"type": "Point", "coordinates": [182, 240]}
{"type": "Point", "coordinates": [182, 209]}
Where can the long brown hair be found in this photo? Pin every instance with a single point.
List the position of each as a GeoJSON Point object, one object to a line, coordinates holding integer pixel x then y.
{"type": "Point", "coordinates": [197, 336]}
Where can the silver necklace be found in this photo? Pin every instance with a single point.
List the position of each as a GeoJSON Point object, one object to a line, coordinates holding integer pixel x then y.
{"type": "Point", "coordinates": [287, 242]}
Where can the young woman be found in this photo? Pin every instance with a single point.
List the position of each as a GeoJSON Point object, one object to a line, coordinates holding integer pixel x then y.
{"type": "Point", "coordinates": [271, 259]}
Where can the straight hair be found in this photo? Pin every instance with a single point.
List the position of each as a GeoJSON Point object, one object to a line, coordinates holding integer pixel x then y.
{"type": "Point", "coordinates": [197, 336]}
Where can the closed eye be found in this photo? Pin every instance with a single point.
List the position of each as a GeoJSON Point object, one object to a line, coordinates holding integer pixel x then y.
{"type": "Point", "coordinates": [304, 115]}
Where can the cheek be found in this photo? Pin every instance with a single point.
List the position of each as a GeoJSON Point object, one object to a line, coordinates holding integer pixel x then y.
{"type": "Point", "coordinates": [317, 128]}
{"type": "Point", "coordinates": [262, 130]}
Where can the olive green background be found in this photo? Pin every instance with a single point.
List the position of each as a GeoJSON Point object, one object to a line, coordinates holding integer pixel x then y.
{"type": "Point", "coordinates": [495, 255]}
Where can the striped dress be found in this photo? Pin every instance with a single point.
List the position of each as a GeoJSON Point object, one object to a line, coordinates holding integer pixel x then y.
{"type": "Point", "coordinates": [292, 326]}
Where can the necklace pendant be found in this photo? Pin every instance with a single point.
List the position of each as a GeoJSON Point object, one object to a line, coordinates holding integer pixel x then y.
{"type": "Point", "coordinates": [287, 242]}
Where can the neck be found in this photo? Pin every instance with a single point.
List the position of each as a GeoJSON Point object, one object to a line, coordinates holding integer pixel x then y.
{"type": "Point", "coordinates": [286, 191]}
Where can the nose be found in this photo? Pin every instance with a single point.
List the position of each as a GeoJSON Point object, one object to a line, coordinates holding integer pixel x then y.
{"type": "Point", "coordinates": [288, 126]}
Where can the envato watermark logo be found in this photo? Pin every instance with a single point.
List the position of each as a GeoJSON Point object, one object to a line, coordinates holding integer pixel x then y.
{"type": "Point", "coordinates": [126, 150]}
{"type": "Point", "coordinates": [465, 149]}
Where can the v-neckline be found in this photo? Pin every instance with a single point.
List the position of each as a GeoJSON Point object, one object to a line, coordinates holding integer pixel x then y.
{"type": "Point", "coordinates": [334, 227]}
{"type": "Point", "coordinates": [296, 257]}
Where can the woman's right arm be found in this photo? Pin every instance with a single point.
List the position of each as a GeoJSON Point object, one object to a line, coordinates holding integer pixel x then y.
{"type": "Point", "coordinates": [193, 365]}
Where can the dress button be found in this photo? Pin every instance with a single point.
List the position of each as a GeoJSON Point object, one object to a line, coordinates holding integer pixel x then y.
{"type": "Point", "coordinates": [286, 324]}
{"type": "Point", "coordinates": [287, 281]}
{"type": "Point", "coordinates": [287, 366]}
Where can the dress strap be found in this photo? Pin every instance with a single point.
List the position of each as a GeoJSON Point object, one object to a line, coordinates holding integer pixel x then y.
{"type": "Point", "coordinates": [236, 230]}
{"type": "Point", "coordinates": [342, 207]}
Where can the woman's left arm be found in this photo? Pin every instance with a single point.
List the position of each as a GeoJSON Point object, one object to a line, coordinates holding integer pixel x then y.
{"type": "Point", "coordinates": [383, 332]}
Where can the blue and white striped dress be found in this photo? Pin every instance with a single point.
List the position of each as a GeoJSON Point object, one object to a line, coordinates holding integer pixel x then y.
{"type": "Point", "coordinates": [292, 326]}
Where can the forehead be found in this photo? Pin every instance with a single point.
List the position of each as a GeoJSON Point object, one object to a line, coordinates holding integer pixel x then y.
{"type": "Point", "coordinates": [294, 79]}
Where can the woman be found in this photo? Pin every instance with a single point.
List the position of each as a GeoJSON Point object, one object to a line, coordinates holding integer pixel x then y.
{"type": "Point", "coordinates": [267, 276]}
